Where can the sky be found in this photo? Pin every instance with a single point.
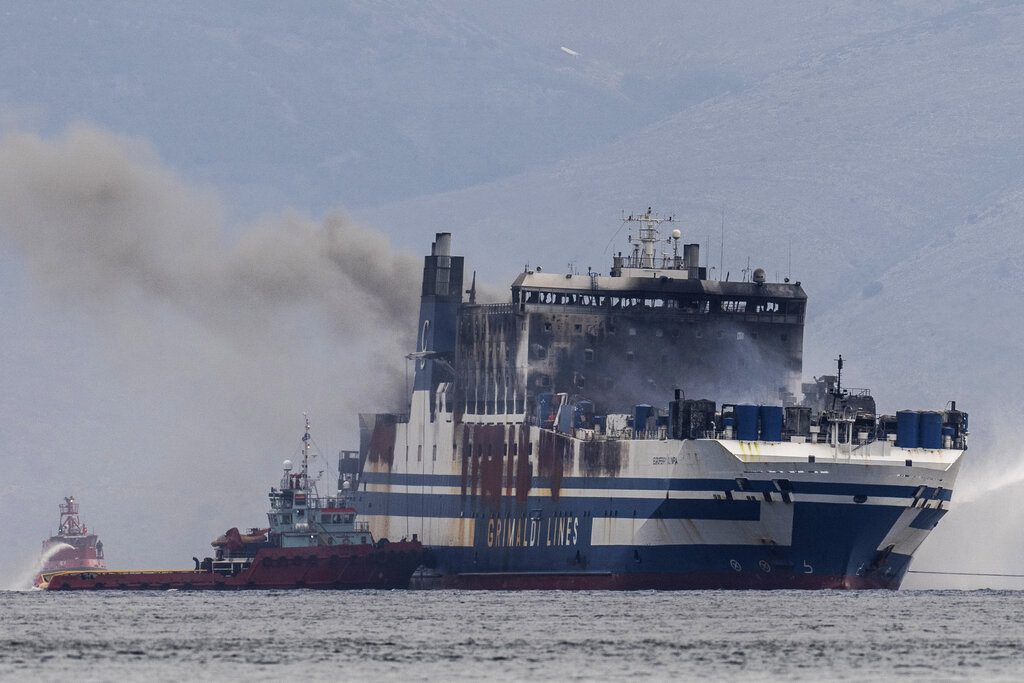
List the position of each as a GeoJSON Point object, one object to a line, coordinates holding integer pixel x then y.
{"type": "Point", "coordinates": [212, 218]}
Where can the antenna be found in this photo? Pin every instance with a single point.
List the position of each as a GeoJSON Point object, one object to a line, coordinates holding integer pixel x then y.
{"type": "Point", "coordinates": [472, 288]}
{"type": "Point", "coordinates": [721, 251]}
{"type": "Point", "coordinates": [839, 381]}
{"type": "Point", "coordinates": [789, 270]}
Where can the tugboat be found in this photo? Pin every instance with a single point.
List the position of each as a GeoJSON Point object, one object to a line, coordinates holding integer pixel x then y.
{"type": "Point", "coordinates": [312, 541]}
{"type": "Point", "coordinates": [72, 547]}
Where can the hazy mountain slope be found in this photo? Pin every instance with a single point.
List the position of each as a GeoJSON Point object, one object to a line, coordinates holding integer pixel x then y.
{"type": "Point", "coordinates": [876, 139]}
{"type": "Point", "coordinates": [355, 103]}
{"type": "Point", "coordinates": [858, 156]}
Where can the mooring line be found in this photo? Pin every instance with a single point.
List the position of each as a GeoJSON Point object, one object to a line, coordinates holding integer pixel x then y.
{"type": "Point", "coordinates": [1009, 576]}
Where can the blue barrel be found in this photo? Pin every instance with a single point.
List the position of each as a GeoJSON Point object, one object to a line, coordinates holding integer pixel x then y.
{"type": "Point", "coordinates": [907, 422]}
{"type": "Point", "coordinates": [771, 423]}
{"type": "Point", "coordinates": [641, 413]}
{"type": "Point", "coordinates": [931, 429]}
{"type": "Point", "coordinates": [746, 422]}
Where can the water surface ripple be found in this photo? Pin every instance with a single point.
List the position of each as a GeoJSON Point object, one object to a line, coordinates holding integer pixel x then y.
{"type": "Point", "coordinates": [432, 635]}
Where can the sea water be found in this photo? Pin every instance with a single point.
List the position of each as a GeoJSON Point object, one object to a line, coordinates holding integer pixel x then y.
{"type": "Point", "coordinates": [446, 635]}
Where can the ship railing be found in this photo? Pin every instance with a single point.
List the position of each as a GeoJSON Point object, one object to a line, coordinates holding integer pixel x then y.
{"type": "Point", "coordinates": [493, 308]}
{"type": "Point", "coordinates": [362, 527]}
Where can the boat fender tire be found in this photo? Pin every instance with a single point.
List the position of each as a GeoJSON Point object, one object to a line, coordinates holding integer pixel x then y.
{"type": "Point", "coordinates": [382, 542]}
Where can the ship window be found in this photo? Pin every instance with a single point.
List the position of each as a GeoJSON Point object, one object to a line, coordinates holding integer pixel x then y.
{"type": "Point", "coordinates": [588, 355]}
{"type": "Point", "coordinates": [578, 328]}
{"type": "Point", "coordinates": [544, 380]}
{"type": "Point", "coordinates": [547, 327]}
{"type": "Point", "coordinates": [362, 539]}
{"type": "Point", "coordinates": [580, 381]}
{"type": "Point", "coordinates": [739, 336]}
{"type": "Point", "coordinates": [419, 453]}
{"type": "Point", "coordinates": [325, 518]}
{"type": "Point", "coordinates": [435, 453]}
{"type": "Point", "coordinates": [349, 519]}
{"type": "Point", "coordinates": [286, 519]}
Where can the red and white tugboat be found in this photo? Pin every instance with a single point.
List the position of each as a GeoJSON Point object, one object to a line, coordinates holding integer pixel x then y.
{"type": "Point", "coordinates": [72, 547]}
{"type": "Point", "coordinates": [313, 541]}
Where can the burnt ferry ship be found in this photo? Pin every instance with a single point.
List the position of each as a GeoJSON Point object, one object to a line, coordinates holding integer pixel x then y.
{"type": "Point", "coordinates": [640, 430]}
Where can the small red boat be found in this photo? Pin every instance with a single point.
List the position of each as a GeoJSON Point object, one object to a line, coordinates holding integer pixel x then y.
{"type": "Point", "coordinates": [312, 542]}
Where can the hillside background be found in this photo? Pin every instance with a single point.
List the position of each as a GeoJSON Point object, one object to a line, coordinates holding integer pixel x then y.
{"type": "Point", "coordinates": [211, 219]}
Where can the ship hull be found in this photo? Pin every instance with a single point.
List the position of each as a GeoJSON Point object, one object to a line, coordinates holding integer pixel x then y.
{"type": "Point", "coordinates": [318, 567]}
{"type": "Point", "coordinates": [521, 508]}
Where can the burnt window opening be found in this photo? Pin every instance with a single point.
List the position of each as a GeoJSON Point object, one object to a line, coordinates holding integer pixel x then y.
{"type": "Point", "coordinates": [578, 328]}
{"type": "Point", "coordinates": [434, 458]}
{"type": "Point", "coordinates": [547, 327]}
{"type": "Point", "coordinates": [588, 355]}
{"type": "Point", "coordinates": [580, 381]}
{"type": "Point", "coordinates": [543, 381]}
{"type": "Point", "coordinates": [632, 332]}
{"type": "Point", "coordinates": [630, 356]}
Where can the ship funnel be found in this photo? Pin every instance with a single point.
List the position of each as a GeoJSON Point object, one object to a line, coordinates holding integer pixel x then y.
{"type": "Point", "coordinates": [440, 300]}
{"type": "Point", "coordinates": [442, 245]}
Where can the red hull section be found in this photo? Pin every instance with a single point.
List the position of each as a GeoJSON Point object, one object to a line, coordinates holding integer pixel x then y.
{"type": "Point", "coordinates": [324, 567]}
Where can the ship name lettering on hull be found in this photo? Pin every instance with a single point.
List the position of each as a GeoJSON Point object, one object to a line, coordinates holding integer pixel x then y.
{"type": "Point", "coordinates": [533, 533]}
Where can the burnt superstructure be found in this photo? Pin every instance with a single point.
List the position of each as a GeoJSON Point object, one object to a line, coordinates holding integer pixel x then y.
{"type": "Point", "coordinates": [641, 429]}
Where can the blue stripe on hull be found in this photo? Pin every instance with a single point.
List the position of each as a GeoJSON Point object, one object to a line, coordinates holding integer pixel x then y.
{"type": "Point", "coordinates": [667, 484]}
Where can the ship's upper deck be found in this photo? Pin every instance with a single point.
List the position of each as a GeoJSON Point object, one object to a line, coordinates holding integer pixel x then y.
{"type": "Point", "coordinates": [659, 292]}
